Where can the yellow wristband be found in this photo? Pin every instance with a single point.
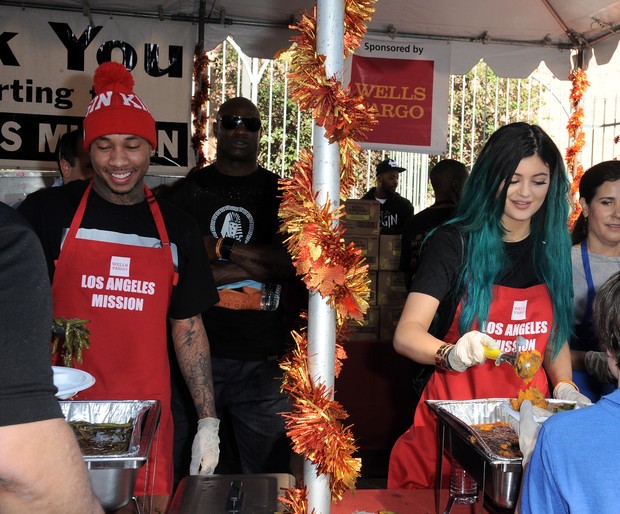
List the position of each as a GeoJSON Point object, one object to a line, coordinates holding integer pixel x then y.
{"type": "Point", "coordinates": [565, 381]}
{"type": "Point", "coordinates": [218, 246]}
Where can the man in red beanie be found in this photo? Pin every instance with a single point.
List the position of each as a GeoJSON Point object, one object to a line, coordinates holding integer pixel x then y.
{"type": "Point", "coordinates": [129, 263]}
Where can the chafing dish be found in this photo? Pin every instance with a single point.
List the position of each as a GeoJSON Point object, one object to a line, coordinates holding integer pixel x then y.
{"type": "Point", "coordinates": [114, 476]}
{"type": "Point", "coordinates": [499, 477]}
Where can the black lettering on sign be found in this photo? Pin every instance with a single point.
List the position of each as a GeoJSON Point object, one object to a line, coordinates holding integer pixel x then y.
{"type": "Point", "coordinates": [32, 137]}
{"type": "Point", "coordinates": [75, 47]}
{"type": "Point", "coordinates": [7, 57]}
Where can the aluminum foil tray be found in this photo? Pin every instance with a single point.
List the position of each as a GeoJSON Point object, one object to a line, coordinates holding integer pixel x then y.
{"type": "Point", "coordinates": [114, 476]}
{"type": "Point", "coordinates": [499, 477]}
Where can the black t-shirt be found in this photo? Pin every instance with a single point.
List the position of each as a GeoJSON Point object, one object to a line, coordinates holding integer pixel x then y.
{"type": "Point", "coordinates": [51, 210]}
{"type": "Point", "coordinates": [246, 209]}
{"type": "Point", "coordinates": [437, 276]}
{"type": "Point", "coordinates": [439, 269]}
{"type": "Point", "coordinates": [394, 212]}
{"type": "Point", "coordinates": [26, 387]}
{"type": "Point", "coordinates": [414, 233]}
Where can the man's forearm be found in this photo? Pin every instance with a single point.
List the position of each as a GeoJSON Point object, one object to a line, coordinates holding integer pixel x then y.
{"type": "Point", "coordinates": [194, 356]}
{"type": "Point", "coordinates": [265, 263]}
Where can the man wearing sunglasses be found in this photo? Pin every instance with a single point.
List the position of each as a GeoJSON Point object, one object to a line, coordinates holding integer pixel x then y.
{"type": "Point", "coordinates": [236, 201]}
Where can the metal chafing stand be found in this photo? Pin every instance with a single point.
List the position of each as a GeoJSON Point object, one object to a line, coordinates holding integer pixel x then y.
{"type": "Point", "coordinates": [499, 478]}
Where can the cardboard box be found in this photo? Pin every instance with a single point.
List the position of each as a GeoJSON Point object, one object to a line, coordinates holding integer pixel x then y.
{"type": "Point", "coordinates": [369, 329]}
{"type": "Point", "coordinates": [361, 217]}
{"type": "Point", "coordinates": [391, 288]}
{"type": "Point", "coordinates": [369, 245]}
{"type": "Point", "coordinates": [388, 319]}
{"type": "Point", "coordinates": [389, 252]}
{"type": "Point", "coordinates": [372, 299]}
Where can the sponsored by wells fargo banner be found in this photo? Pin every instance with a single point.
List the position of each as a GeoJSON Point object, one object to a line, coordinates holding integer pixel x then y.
{"type": "Point", "coordinates": [47, 61]}
{"type": "Point", "coordinates": [407, 82]}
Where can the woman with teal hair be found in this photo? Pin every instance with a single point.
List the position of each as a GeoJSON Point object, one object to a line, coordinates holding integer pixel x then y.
{"type": "Point", "coordinates": [500, 269]}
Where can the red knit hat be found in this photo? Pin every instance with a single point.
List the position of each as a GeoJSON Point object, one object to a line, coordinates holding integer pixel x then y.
{"type": "Point", "coordinates": [115, 108]}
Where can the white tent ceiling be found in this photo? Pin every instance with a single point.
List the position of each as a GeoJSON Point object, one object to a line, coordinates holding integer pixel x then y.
{"type": "Point", "coordinates": [512, 36]}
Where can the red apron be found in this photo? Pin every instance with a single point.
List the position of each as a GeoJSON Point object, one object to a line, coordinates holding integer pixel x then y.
{"type": "Point", "coordinates": [528, 312]}
{"type": "Point", "coordinates": [125, 291]}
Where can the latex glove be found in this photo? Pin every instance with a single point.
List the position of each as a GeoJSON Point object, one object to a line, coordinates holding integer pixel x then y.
{"type": "Point", "coordinates": [566, 391]}
{"type": "Point", "coordinates": [469, 350]}
{"type": "Point", "coordinates": [597, 366]}
{"type": "Point", "coordinates": [527, 429]}
{"type": "Point", "coordinates": [206, 447]}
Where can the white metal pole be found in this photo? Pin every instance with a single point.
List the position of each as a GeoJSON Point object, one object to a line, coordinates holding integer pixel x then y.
{"type": "Point", "coordinates": [326, 183]}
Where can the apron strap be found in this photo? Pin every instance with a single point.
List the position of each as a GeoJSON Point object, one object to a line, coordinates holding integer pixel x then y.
{"type": "Point", "coordinates": [161, 228]}
{"type": "Point", "coordinates": [585, 259]}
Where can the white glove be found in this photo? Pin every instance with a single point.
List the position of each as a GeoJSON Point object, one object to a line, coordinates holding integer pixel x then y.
{"type": "Point", "coordinates": [597, 366]}
{"type": "Point", "coordinates": [469, 350]}
{"type": "Point", "coordinates": [566, 391]}
{"type": "Point", "coordinates": [206, 447]}
{"type": "Point", "coordinates": [527, 429]}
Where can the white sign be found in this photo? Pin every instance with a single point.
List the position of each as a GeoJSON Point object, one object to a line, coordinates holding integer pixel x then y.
{"type": "Point", "coordinates": [407, 83]}
{"type": "Point", "coordinates": [47, 62]}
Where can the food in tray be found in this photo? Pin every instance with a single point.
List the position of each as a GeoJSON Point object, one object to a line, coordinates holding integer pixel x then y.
{"type": "Point", "coordinates": [500, 438]}
{"type": "Point", "coordinates": [532, 394]}
{"type": "Point", "coordinates": [102, 438]}
{"type": "Point", "coordinates": [527, 364]}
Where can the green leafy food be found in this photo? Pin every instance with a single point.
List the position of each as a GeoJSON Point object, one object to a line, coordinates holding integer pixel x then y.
{"type": "Point", "coordinates": [102, 438]}
{"type": "Point", "coordinates": [76, 339]}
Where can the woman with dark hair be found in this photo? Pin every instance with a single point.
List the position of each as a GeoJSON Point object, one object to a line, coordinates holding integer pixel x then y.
{"type": "Point", "coordinates": [499, 269]}
{"type": "Point", "coordinates": [595, 256]}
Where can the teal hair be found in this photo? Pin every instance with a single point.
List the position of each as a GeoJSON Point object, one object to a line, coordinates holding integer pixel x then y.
{"type": "Point", "coordinates": [479, 218]}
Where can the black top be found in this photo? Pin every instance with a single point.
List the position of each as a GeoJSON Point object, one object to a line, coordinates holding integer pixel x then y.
{"type": "Point", "coordinates": [246, 209]}
{"type": "Point", "coordinates": [26, 386]}
{"type": "Point", "coordinates": [51, 210]}
{"type": "Point", "coordinates": [394, 212]}
{"type": "Point", "coordinates": [441, 263]}
{"type": "Point", "coordinates": [414, 233]}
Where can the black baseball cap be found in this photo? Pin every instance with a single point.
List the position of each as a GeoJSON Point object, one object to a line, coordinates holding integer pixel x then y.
{"type": "Point", "coordinates": [388, 165]}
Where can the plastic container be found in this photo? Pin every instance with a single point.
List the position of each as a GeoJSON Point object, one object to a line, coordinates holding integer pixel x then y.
{"type": "Point", "coordinates": [463, 487]}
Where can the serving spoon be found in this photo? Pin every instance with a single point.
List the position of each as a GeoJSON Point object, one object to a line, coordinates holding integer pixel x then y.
{"type": "Point", "coordinates": [525, 363]}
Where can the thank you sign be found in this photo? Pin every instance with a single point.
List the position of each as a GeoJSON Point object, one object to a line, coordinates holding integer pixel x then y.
{"type": "Point", "coordinates": [47, 62]}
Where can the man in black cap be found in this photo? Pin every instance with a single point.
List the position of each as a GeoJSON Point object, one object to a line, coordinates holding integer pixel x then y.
{"type": "Point", "coordinates": [395, 210]}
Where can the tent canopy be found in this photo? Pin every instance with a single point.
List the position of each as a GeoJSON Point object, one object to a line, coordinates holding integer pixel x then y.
{"type": "Point", "coordinates": [512, 37]}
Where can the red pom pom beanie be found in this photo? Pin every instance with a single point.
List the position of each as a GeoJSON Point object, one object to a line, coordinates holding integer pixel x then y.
{"type": "Point", "coordinates": [116, 109]}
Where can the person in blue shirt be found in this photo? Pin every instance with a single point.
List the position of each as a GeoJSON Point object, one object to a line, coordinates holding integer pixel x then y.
{"type": "Point", "coordinates": [574, 464]}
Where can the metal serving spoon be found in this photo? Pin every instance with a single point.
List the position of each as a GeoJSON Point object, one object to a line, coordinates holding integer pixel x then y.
{"type": "Point", "coordinates": [526, 368]}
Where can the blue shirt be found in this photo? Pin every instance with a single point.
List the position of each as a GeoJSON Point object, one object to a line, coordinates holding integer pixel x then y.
{"type": "Point", "coordinates": [575, 466]}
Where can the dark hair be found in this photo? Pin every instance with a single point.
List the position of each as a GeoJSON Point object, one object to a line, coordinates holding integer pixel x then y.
{"type": "Point", "coordinates": [479, 217]}
{"type": "Point", "coordinates": [606, 315]}
{"type": "Point", "coordinates": [591, 180]}
{"type": "Point", "coordinates": [67, 148]}
{"type": "Point", "coordinates": [445, 172]}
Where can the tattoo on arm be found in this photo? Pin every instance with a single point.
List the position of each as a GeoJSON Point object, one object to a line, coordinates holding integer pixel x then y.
{"type": "Point", "coordinates": [193, 354]}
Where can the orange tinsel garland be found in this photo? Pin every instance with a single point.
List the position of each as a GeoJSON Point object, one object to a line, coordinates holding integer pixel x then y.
{"type": "Point", "coordinates": [576, 136]}
{"type": "Point", "coordinates": [199, 100]}
{"type": "Point", "coordinates": [327, 265]}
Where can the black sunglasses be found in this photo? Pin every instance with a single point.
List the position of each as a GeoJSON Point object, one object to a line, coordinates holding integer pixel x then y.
{"type": "Point", "coordinates": [230, 122]}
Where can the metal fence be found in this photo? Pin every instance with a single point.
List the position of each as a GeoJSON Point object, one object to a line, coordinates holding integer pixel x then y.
{"type": "Point", "coordinates": [480, 102]}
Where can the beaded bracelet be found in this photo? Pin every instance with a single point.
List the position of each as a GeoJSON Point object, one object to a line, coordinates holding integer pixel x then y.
{"type": "Point", "coordinates": [441, 356]}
